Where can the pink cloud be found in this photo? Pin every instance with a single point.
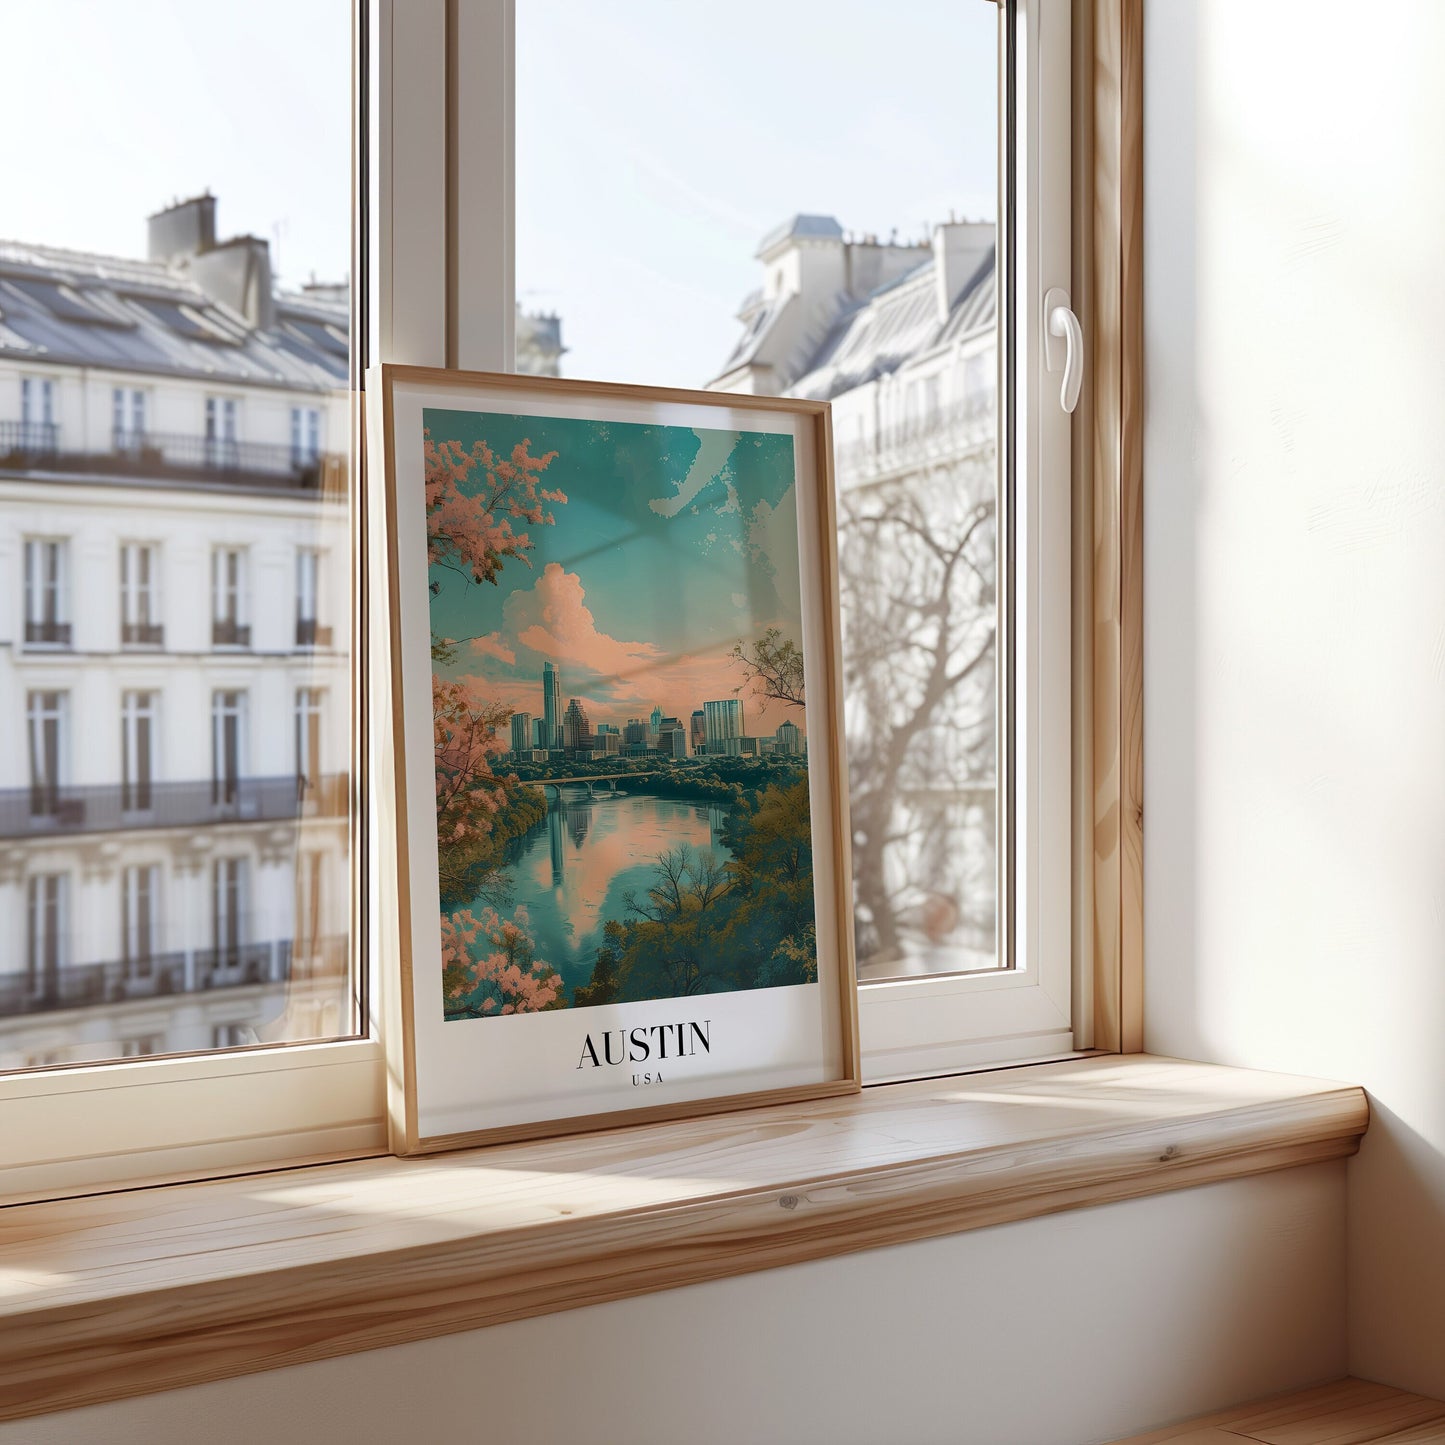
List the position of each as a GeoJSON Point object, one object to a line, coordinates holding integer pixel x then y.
{"type": "Point", "coordinates": [492, 646]}
{"type": "Point", "coordinates": [554, 620]}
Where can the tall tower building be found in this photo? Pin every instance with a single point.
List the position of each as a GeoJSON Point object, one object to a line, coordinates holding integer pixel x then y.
{"type": "Point", "coordinates": [723, 725]}
{"type": "Point", "coordinates": [576, 727]}
{"type": "Point", "coordinates": [699, 731]}
{"type": "Point", "coordinates": [521, 732]}
{"type": "Point", "coordinates": [551, 706]}
{"type": "Point", "coordinates": [656, 720]}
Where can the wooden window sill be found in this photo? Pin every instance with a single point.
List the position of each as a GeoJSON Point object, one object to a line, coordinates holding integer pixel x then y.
{"type": "Point", "coordinates": [122, 1294]}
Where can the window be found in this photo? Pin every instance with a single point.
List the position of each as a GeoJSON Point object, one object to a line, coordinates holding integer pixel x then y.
{"type": "Point", "coordinates": [953, 490]}
{"type": "Point", "coordinates": [139, 924]}
{"type": "Point", "coordinates": [140, 619]}
{"type": "Point", "coordinates": [141, 1047]}
{"type": "Point", "coordinates": [47, 570]}
{"type": "Point", "coordinates": [37, 414]}
{"type": "Point", "coordinates": [128, 418]}
{"type": "Point", "coordinates": [228, 919]}
{"type": "Point", "coordinates": [165, 741]}
{"type": "Point", "coordinates": [46, 723]}
{"type": "Point", "coordinates": [228, 741]}
{"type": "Point", "coordinates": [46, 904]}
{"type": "Point", "coordinates": [305, 435]}
{"type": "Point", "coordinates": [231, 1036]}
{"type": "Point", "coordinates": [309, 633]}
{"type": "Point", "coordinates": [137, 751]}
{"type": "Point", "coordinates": [221, 449]}
{"type": "Point", "coordinates": [229, 624]}
{"type": "Point", "coordinates": [308, 741]}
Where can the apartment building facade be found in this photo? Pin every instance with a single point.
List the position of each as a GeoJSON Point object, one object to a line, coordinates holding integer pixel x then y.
{"type": "Point", "coordinates": [175, 580]}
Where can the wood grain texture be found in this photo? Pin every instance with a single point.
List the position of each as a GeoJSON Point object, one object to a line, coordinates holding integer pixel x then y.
{"type": "Point", "coordinates": [128, 1293]}
{"type": "Point", "coordinates": [1349, 1412]}
{"type": "Point", "coordinates": [1116, 297]}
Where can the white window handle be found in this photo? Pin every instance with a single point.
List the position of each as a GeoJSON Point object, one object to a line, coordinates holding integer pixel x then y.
{"type": "Point", "coordinates": [1061, 325]}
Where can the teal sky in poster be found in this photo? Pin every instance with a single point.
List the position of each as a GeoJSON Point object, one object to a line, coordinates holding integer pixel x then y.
{"type": "Point", "coordinates": [674, 543]}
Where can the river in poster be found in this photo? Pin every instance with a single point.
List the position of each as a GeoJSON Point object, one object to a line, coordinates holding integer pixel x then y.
{"type": "Point", "coordinates": [618, 702]}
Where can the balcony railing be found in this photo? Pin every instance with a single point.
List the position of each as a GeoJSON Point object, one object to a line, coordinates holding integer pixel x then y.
{"type": "Point", "coordinates": [171, 456]}
{"type": "Point", "coordinates": [103, 808]}
{"type": "Point", "coordinates": [310, 633]}
{"type": "Point", "coordinates": [142, 634]}
{"type": "Point", "coordinates": [227, 633]}
{"type": "Point", "coordinates": [930, 436]}
{"type": "Point", "coordinates": [47, 634]}
{"type": "Point", "coordinates": [163, 975]}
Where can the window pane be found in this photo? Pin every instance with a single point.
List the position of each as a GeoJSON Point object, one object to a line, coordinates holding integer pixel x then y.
{"type": "Point", "coordinates": [174, 496]}
{"type": "Point", "coordinates": [835, 239]}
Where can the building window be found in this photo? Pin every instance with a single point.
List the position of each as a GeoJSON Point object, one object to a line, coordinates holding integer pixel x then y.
{"type": "Point", "coordinates": [37, 414]}
{"type": "Point", "coordinates": [137, 751]}
{"type": "Point", "coordinates": [140, 888]}
{"type": "Point", "coordinates": [228, 913]}
{"type": "Point", "coordinates": [229, 624]}
{"type": "Point", "coordinates": [306, 944]}
{"type": "Point", "coordinates": [46, 899]}
{"type": "Point", "coordinates": [47, 575]}
{"type": "Point", "coordinates": [140, 619]}
{"type": "Point", "coordinates": [305, 435]}
{"type": "Point", "coordinates": [128, 418]}
{"type": "Point", "coordinates": [142, 1047]}
{"type": "Point", "coordinates": [308, 741]}
{"type": "Point", "coordinates": [228, 727]}
{"type": "Point", "coordinates": [46, 725]}
{"type": "Point", "coordinates": [309, 632]}
{"type": "Point", "coordinates": [221, 449]}
{"type": "Point", "coordinates": [232, 1036]}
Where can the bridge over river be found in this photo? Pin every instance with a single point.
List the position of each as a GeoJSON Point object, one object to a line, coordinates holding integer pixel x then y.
{"type": "Point", "coordinates": [608, 778]}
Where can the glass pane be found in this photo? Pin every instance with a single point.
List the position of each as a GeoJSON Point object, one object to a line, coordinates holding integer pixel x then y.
{"type": "Point", "coordinates": [834, 238]}
{"type": "Point", "coordinates": [174, 824]}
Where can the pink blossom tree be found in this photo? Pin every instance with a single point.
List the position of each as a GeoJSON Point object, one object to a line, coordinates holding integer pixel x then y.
{"type": "Point", "coordinates": [478, 505]}
{"type": "Point", "coordinates": [490, 967]}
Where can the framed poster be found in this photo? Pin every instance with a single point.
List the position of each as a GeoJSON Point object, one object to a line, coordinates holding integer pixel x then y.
{"type": "Point", "coordinates": [620, 829]}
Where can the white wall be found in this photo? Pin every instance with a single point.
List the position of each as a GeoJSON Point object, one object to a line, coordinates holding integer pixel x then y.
{"type": "Point", "coordinates": [1295, 602]}
{"type": "Point", "coordinates": [1063, 1331]}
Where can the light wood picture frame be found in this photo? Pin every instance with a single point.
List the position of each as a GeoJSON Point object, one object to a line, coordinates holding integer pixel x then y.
{"type": "Point", "coordinates": [606, 912]}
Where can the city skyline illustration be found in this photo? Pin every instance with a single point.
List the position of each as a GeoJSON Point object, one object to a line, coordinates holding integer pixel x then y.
{"type": "Point", "coordinates": [673, 545]}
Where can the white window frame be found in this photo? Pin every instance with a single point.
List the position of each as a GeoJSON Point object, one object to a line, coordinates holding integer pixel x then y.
{"type": "Point", "coordinates": [140, 599]}
{"type": "Point", "coordinates": [440, 291]}
{"type": "Point", "coordinates": [230, 594]}
{"type": "Point", "coordinates": [305, 435]}
{"type": "Point", "coordinates": [942, 1023]}
{"type": "Point", "coordinates": [309, 705]}
{"type": "Point", "coordinates": [140, 881]}
{"type": "Point", "coordinates": [39, 716]}
{"type": "Point", "coordinates": [139, 705]}
{"type": "Point", "coordinates": [38, 584]}
{"type": "Point", "coordinates": [229, 706]}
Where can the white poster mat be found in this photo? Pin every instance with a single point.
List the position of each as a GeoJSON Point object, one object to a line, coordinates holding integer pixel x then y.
{"type": "Point", "coordinates": [476, 1074]}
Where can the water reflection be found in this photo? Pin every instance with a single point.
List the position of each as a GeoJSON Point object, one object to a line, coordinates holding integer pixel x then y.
{"type": "Point", "coordinates": [573, 870]}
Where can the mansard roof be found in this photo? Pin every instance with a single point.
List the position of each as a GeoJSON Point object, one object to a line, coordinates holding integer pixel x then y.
{"type": "Point", "coordinates": [897, 322]}
{"type": "Point", "coordinates": [123, 314]}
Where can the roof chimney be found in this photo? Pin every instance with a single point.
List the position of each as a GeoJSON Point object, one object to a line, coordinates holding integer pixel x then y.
{"type": "Point", "coordinates": [959, 249]}
{"type": "Point", "coordinates": [238, 273]}
{"type": "Point", "coordinates": [182, 230]}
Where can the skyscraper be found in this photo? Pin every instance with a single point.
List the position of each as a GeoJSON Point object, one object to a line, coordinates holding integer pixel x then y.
{"type": "Point", "coordinates": [789, 739]}
{"type": "Point", "coordinates": [551, 706]}
{"type": "Point", "coordinates": [656, 720]}
{"type": "Point", "coordinates": [521, 732]}
{"type": "Point", "coordinates": [699, 731]}
{"type": "Point", "coordinates": [576, 727]}
{"type": "Point", "coordinates": [723, 725]}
